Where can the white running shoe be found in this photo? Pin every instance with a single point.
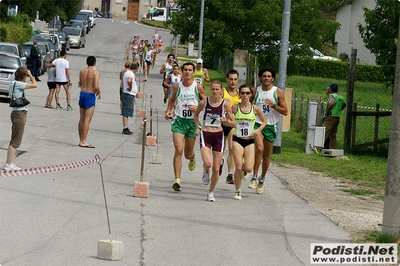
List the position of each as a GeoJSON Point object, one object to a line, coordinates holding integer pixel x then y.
{"type": "Point", "coordinates": [210, 196]}
{"type": "Point", "coordinates": [206, 178]}
{"type": "Point", "coordinates": [253, 183]}
{"type": "Point", "coordinates": [245, 176]}
{"type": "Point", "coordinates": [10, 167]}
{"type": "Point", "coordinates": [238, 195]}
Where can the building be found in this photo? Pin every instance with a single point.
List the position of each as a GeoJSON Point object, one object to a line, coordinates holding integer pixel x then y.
{"type": "Point", "coordinates": [126, 9]}
{"type": "Point", "coordinates": [349, 14]}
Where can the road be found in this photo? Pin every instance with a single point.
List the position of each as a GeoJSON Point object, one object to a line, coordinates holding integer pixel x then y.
{"type": "Point", "coordinates": [56, 218]}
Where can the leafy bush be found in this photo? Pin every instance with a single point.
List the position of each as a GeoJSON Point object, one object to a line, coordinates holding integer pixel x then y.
{"type": "Point", "coordinates": [16, 30]}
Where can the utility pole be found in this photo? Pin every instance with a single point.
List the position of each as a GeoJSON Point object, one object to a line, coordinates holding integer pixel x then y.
{"type": "Point", "coordinates": [391, 209]}
{"type": "Point", "coordinates": [201, 28]}
{"type": "Point", "coordinates": [282, 68]}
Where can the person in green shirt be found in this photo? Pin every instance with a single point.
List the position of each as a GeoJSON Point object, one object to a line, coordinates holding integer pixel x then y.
{"type": "Point", "coordinates": [151, 11]}
{"type": "Point", "coordinates": [333, 110]}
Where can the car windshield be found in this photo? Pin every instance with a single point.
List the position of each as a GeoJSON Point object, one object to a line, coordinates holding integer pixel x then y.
{"type": "Point", "coordinates": [9, 62]}
{"type": "Point", "coordinates": [42, 48]}
{"type": "Point", "coordinates": [72, 31]}
{"type": "Point", "coordinates": [26, 50]}
{"type": "Point", "coordinates": [8, 49]}
{"type": "Point", "coordinates": [76, 24]}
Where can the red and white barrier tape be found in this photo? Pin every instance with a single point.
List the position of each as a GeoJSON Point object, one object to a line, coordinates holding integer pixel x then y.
{"type": "Point", "coordinates": [46, 169]}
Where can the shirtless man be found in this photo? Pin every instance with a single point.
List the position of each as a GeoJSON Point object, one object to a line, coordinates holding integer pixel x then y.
{"type": "Point", "coordinates": [89, 82]}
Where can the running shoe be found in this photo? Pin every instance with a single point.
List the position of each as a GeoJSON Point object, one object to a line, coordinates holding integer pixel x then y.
{"type": "Point", "coordinates": [230, 180]}
{"type": "Point", "coordinates": [210, 196]}
{"type": "Point", "coordinates": [10, 167]}
{"type": "Point", "coordinates": [221, 166]}
{"type": "Point", "coordinates": [238, 195]}
{"type": "Point", "coordinates": [253, 183]}
{"type": "Point", "coordinates": [206, 178]}
{"type": "Point", "coordinates": [260, 186]}
{"type": "Point", "coordinates": [245, 176]}
{"type": "Point", "coordinates": [126, 131]}
{"type": "Point", "coordinates": [177, 185]}
{"type": "Point", "coordinates": [192, 164]}
{"type": "Point", "coordinates": [69, 108]}
{"type": "Point", "coordinates": [58, 107]}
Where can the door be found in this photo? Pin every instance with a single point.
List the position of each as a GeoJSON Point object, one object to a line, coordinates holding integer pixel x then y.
{"type": "Point", "coordinates": [133, 10]}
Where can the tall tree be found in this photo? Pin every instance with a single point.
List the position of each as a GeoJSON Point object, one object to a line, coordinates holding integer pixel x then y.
{"type": "Point", "coordinates": [380, 34]}
{"type": "Point", "coordinates": [253, 24]}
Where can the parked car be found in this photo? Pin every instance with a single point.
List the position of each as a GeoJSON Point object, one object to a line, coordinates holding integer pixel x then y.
{"type": "Point", "coordinates": [85, 18]}
{"type": "Point", "coordinates": [318, 55]}
{"type": "Point", "coordinates": [160, 13]}
{"type": "Point", "coordinates": [92, 17]}
{"type": "Point", "coordinates": [77, 36]}
{"type": "Point", "coordinates": [8, 65]}
{"type": "Point", "coordinates": [64, 39]}
{"type": "Point", "coordinates": [56, 23]}
{"type": "Point", "coordinates": [13, 48]}
{"type": "Point", "coordinates": [79, 23]}
{"type": "Point", "coordinates": [49, 37]}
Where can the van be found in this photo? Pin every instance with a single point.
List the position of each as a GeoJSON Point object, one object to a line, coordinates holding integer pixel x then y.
{"type": "Point", "coordinates": [92, 17]}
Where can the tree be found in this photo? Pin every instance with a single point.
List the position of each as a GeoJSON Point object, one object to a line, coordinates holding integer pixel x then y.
{"type": "Point", "coordinates": [253, 25]}
{"type": "Point", "coordinates": [380, 34]}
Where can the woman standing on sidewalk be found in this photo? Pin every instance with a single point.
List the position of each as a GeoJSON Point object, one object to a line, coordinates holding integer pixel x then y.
{"type": "Point", "coordinates": [243, 136]}
{"type": "Point", "coordinates": [216, 111]}
{"type": "Point", "coordinates": [18, 114]}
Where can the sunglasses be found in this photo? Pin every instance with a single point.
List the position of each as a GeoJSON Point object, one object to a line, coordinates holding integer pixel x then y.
{"type": "Point", "coordinates": [245, 92]}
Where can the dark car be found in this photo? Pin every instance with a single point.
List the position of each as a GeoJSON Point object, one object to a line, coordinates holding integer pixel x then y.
{"type": "Point", "coordinates": [64, 39]}
{"type": "Point", "coordinates": [86, 21]}
{"type": "Point", "coordinates": [54, 39]}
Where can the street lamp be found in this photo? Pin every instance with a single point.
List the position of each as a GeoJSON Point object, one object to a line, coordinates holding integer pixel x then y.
{"type": "Point", "coordinates": [201, 27]}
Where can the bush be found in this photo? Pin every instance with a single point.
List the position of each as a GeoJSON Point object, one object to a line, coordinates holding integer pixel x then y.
{"type": "Point", "coordinates": [16, 30]}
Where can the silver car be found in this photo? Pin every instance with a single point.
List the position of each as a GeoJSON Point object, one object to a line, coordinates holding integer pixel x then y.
{"type": "Point", "coordinates": [77, 36]}
{"type": "Point", "coordinates": [13, 48]}
{"type": "Point", "coordinates": [8, 65]}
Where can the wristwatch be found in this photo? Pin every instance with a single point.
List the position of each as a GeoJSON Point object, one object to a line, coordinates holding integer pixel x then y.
{"type": "Point", "coordinates": [274, 106]}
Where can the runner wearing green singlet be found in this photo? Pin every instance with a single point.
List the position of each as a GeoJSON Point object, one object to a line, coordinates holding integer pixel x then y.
{"type": "Point", "coordinates": [200, 73]}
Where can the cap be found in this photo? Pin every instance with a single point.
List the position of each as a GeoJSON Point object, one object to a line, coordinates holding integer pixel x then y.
{"type": "Point", "coordinates": [199, 61]}
{"type": "Point", "coordinates": [334, 87]}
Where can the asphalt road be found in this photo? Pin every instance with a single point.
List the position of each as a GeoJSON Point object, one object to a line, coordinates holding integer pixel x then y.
{"type": "Point", "coordinates": [57, 218]}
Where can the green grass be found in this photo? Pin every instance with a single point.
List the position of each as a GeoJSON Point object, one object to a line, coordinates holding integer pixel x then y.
{"type": "Point", "coordinates": [379, 237]}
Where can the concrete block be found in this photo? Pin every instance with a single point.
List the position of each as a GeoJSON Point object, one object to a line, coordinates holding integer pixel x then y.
{"type": "Point", "coordinates": [332, 152]}
{"type": "Point", "coordinates": [141, 189]}
{"type": "Point", "coordinates": [157, 159]}
{"type": "Point", "coordinates": [110, 250]}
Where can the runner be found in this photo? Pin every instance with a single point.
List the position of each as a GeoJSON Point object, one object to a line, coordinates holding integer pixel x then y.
{"type": "Point", "coordinates": [165, 70]}
{"type": "Point", "coordinates": [271, 101]}
{"type": "Point", "coordinates": [181, 107]}
{"type": "Point", "coordinates": [216, 111]}
{"type": "Point", "coordinates": [201, 74]}
{"type": "Point", "coordinates": [243, 136]}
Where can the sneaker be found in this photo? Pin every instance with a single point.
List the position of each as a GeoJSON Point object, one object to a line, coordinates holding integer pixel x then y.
{"type": "Point", "coordinates": [69, 108]}
{"type": "Point", "coordinates": [126, 131]}
{"type": "Point", "coordinates": [165, 100]}
{"type": "Point", "coordinates": [210, 196]}
{"type": "Point", "coordinates": [221, 166]}
{"type": "Point", "coordinates": [177, 185]}
{"type": "Point", "coordinates": [238, 195]}
{"type": "Point", "coordinates": [245, 176]}
{"type": "Point", "coordinates": [205, 178]}
{"type": "Point", "coordinates": [253, 183]}
{"type": "Point", "coordinates": [192, 164]}
{"type": "Point", "coordinates": [230, 180]}
{"type": "Point", "coordinates": [10, 167]}
{"type": "Point", "coordinates": [145, 79]}
{"type": "Point", "coordinates": [58, 107]}
{"type": "Point", "coordinates": [260, 186]}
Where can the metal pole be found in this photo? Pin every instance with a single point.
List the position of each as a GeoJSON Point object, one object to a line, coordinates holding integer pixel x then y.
{"type": "Point", "coordinates": [282, 68]}
{"type": "Point", "coordinates": [143, 149]}
{"type": "Point", "coordinates": [391, 209]}
{"type": "Point", "coordinates": [201, 28]}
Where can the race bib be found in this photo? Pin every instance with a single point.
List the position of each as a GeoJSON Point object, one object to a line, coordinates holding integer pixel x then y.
{"type": "Point", "coordinates": [198, 80]}
{"type": "Point", "coordinates": [186, 112]}
{"type": "Point", "coordinates": [212, 121]}
{"type": "Point", "coordinates": [244, 128]}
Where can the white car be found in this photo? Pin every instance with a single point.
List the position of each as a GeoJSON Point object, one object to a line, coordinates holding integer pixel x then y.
{"type": "Point", "coordinates": [92, 17]}
{"type": "Point", "coordinates": [318, 55]}
{"type": "Point", "coordinates": [8, 65]}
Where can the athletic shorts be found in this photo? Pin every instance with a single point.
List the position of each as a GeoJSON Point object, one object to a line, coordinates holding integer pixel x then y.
{"type": "Point", "coordinates": [51, 85]}
{"type": "Point", "coordinates": [148, 62]}
{"type": "Point", "coordinates": [269, 132]}
{"type": "Point", "coordinates": [62, 83]}
{"type": "Point", "coordinates": [184, 126]}
{"type": "Point", "coordinates": [226, 130]}
{"type": "Point", "coordinates": [212, 140]}
{"type": "Point", "coordinates": [87, 100]}
{"type": "Point", "coordinates": [18, 120]}
{"type": "Point", "coordinates": [127, 104]}
{"type": "Point", "coordinates": [243, 142]}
